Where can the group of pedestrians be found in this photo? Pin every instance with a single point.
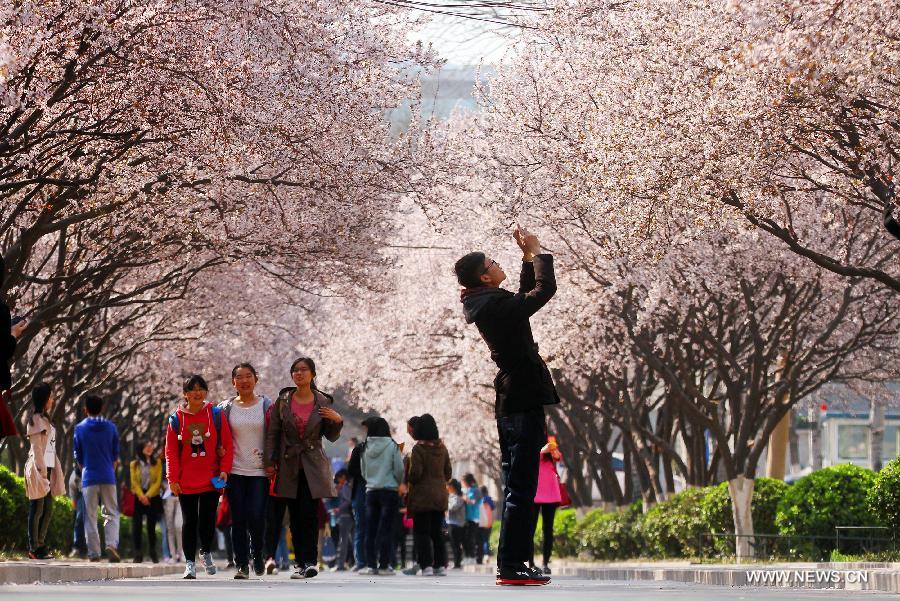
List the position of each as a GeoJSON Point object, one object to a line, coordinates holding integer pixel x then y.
{"type": "Point", "coordinates": [268, 457]}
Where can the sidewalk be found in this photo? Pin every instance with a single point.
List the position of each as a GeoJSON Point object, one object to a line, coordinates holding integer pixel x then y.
{"type": "Point", "coordinates": [28, 572]}
{"type": "Point", "coordinates": [883, 577]}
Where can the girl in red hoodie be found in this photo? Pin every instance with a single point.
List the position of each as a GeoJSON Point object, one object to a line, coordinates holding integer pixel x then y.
{"type": "Point", "coordinates": [198, 449]}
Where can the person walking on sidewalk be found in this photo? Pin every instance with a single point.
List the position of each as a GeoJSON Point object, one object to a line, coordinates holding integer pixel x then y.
{"type": "Point", "coordinates": [196, 470]}
{"type": "Point", "coordinates": [486, 520]}
{"type": "Point", "coordinates": [96, 445]}
{"type": "Point", "coordinates": [358, 492]}
{"type": "Point", "coordinates": [473, 514]}
{"type": "Point", "coordinates": [293, 454]}
{"type": "Point", "coordinates": [79, 543]}
{"type": "Point", "coordinates": [547, 499]}
{"type": "Point", "coordinates": [43, 472]}
{"type": "Point", "coordinates": [146, 482]}
{"type": "Point", "coordinates": [344, 513]}
{"type": "Point", "coordinates": [428, 472]}
{"type": "Point", "coordinates": [456, 521]}
{"type": "Point", "coordinates": [174, 521]}
{"type": "Point", "coordinates": [248, 485]}
{"type": "Point", "coordinates": [523, 386]}
{"type": "Point", "coordinates": [382, 468]}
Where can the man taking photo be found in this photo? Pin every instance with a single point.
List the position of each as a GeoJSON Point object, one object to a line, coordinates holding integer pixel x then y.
{"type": "Point", "coordinates": [523, 386]}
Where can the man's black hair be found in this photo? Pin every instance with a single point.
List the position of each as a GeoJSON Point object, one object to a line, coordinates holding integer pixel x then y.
{"type": "Point", "coordinates": [93, 404]}
{"type": "Point", "coordinates": [469, 270]}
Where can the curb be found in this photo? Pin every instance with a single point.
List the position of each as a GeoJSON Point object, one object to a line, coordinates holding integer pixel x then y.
{"type": "Point", "coordinates": [31, 572]}
{"type": "Point", "coordinates": [881, 579]}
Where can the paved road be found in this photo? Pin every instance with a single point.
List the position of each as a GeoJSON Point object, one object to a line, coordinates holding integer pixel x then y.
{"type": "Point", "coordinates": [351, 587]}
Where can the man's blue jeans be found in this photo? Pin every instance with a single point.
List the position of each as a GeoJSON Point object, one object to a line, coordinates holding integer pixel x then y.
{"type": "Point", "coordinates": [522, 435]}
{"type": "Point", "coordinates": [79, 542]}
{"type": "Point", "coordinates": [359, 534]}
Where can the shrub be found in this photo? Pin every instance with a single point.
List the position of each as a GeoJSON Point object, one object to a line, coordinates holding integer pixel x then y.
{"type": "Point", "coordinates": [611, 535]}
{"type": "Point", "coordinates": [673, 527]}
{"type": "Point", "coordinates": [13, 512]}
{"type": "Point", "coordinates": [883, 498]}
{"type": "Point", "coordinates": [833, 496]}
{"type": "Point", "coordinates": [717, 516]}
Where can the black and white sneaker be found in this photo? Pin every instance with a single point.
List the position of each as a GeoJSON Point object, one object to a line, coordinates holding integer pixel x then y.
{"type": "Point", "coordinates": [520, 576]}
{"type": "Point", "coordinates": [242, 573]}
{"type": "Point", "coordinates": [310, 571]}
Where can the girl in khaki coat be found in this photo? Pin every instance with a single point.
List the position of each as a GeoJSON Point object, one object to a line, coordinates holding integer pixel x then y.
{"type": "Point", "coordinates": [43, 472]}
{"type": "Point", "coordinates": [294, 456]}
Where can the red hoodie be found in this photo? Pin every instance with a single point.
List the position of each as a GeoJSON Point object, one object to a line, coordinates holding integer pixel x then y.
{"type": "Point", "coordinates": [192, 462]}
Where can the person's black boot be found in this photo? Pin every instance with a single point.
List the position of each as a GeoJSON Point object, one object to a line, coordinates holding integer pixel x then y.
{"type": "Point", "coordinates": [520, 576]}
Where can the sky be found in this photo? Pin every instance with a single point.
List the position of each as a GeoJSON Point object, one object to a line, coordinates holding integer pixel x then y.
{"type": "Point", "coordinates": [464, 42]}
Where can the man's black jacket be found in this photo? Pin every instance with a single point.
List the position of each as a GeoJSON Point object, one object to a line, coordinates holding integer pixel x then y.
{"type": "Point", "coordinates": [523, 383]}
{"type": "Point", "coordinates": [889, 222]}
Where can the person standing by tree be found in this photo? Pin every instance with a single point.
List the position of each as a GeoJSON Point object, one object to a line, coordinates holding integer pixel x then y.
{"type": "Point", "coordinates": [43, 472]}
{"type": "Point", "coordinates": [195, 469]}
{"type": "Point", "coordinates": [547, 499]}
{"type": "Point", "coordinates": [248, 486]}
{"type": "Point", "coordinates": [146, 481]}
{"type": "Point", "coordinates": [97, 454]}
{"type": "Point", "coordinates": [300, 418]}
{"type": "Point", "coordinates": [427, 473]}
{"type": "Point", "coordinates": [523, 386]}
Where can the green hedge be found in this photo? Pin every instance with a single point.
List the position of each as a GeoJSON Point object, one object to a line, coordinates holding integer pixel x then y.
{"type": "Point", "coordinates": [14, 517]}
{"type": "Point", "coordinates": [611, 535]}
{"type": "Point", "coordinates": [716, 511]}
{"type": "Point", "coordinates": [833, 496]}
{"type": "Point", "coordinates": [883, 498]}
{"type": "Point", "coordinates": [673, 528]}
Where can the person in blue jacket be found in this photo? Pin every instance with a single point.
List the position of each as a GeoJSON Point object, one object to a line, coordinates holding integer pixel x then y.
{"type": "Point", "coordinates": [97, 456]}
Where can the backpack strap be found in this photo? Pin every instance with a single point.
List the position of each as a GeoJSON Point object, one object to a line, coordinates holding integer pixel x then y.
{"type": "Point", "coordinates": [217, 422]}
{"type": "Point", "coordinates": [175, 424]}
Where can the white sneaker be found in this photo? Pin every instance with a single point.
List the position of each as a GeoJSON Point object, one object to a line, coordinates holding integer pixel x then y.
{"type": "Point", "coordinates": [429, 571]}
{"type": "Point", "coordinates": [208, 563]}
{"type": "Point", "coordinates": [368, 572]}
{"type": "Point", "coordinates": [190, 572]}
{"type": "Point", "coordinates": [386, 572]}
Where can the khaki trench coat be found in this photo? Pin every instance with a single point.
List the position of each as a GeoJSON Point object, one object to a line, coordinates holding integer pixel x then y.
{"type": "Point", "coordinates": [294, 456]}
{"type": "Point", "coordinates": [36, 483]}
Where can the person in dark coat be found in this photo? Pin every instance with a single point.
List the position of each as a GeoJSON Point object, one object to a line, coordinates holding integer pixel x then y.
{"type": "Point", "coordinates": [523, 386]}
{"type": "Point", "coordinates": [427, 474]}
{"type": "Point", "coordinates": [7, 351]}
{"type": "Point", "coordinates": [300, 418]}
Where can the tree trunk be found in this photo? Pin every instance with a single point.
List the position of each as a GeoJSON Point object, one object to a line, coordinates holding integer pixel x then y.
{"type": "Point", "coordinates": [778, 441]}
{"type": "Point", "coordinates": [741, 491]}
{"type": "Point", "coordinates": [876, 434]}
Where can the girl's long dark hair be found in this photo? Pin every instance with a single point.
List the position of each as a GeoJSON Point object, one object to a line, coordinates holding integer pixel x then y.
{"type": "Point", "coordinates": [425, 428]}
{"type": "Point", "coordinates": [152, 459]}
{"type": "Point", "coordinates": [40, 394]}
